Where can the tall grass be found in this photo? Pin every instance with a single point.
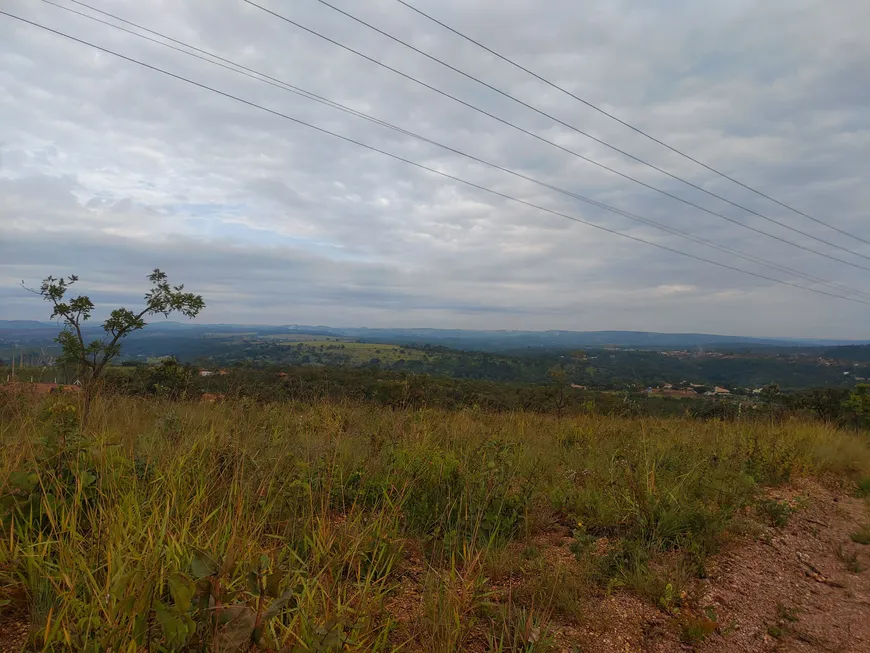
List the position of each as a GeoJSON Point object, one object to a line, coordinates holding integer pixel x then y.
{"type": "Point", "coordinates": [182, 526]}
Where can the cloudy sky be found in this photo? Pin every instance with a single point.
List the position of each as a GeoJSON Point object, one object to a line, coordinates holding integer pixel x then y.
{"type": "Point", "coordinates": [109, 169]}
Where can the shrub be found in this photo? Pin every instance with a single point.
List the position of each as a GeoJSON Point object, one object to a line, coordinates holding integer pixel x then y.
{"type": "Point", "coordinates": [778, 512]}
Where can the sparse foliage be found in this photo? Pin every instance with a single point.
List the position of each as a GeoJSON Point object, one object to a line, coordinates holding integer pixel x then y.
{"type": "Point", "coordinates": [559, 388]}
{"type": "Point", "coordinates": [858, 403]}
{"type": "Point", "coordinates": [92, 356]}
{"type": "Point", "coordinates": [770, 393]}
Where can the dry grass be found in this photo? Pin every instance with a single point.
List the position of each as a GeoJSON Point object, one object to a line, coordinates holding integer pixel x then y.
{"type": "Point", "coordinates": [332, 527]}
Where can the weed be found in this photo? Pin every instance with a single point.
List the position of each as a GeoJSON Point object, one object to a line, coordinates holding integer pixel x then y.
{"type": "Point", "coordinates": [519, 630]}
{"type": "Point", "coordinates": [786, 625]}
{"type": "Point", "coordinates": [669, 597]}
{"type": "Point", "coordinates": [501, 563]}
{"type": "Point", "coordinates": [453, 602]}
{"type": "Point", "coordinates": [777, 512]}
{"type": "Point", "coordinates": [776, 631]}
{"type": "Point", "coordinates": [862, 535]}
{"type": "Point", "coordinates": [531, 552]}
{"type": "Point", "coordinates": [694, 630]}
{"type": "Point", "coordinates": [558, 587]}
{"type": "Point", "coordinates": [743, 526]}
{"type": "Point", "coordinates": [863, 489]}
{"type": "Point", "coordinates": [849, 560]}
{"type": "Point", "coordinates": [785, 613]}
{"type": "Point", "coordinates": [582, 543]}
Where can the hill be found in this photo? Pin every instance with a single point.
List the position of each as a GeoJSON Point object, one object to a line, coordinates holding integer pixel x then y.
{"type": "Point", "coordinates": [480, 340]}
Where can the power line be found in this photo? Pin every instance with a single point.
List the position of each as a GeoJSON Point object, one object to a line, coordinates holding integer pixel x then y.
{"type": "Point", "coordinates": [564, 149]}
{"type": "Point", "coordinates": [586, 134]}
{"type": "Point", "coordinates": [233, 66]}
{"type": "Point", "coordinates": [258, 76]}
{"type": "Point", "coordinates": [424, 167]}
{"type": "Point", "coordinates": [626, 124]}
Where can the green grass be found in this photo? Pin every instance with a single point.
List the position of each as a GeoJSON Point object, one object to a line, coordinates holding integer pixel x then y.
{"type": "Point", "coordinates": [328, 527]}
{"type": "Point", "coordinates": [786, 614]}
{"type": "Point", "coordinates": [302, 337]}
{"type": "Point", "coordinates": [357, 353]}
{"type": "Point", "coordinates": [862, 535]}
{"type": "Point", "coordinates": [776, 631]}
{"type": "Point", "coordinates": [777, 512]}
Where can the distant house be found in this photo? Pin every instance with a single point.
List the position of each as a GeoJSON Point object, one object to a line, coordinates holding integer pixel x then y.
{"type": "Point", "coordinates": [668, 386]}
{"type": "Point", "coordinates": [578, 387]}
{"type": "Point", "coordinates": [206, 372]}
{"type": "Point", "coordinates": [721, 391]}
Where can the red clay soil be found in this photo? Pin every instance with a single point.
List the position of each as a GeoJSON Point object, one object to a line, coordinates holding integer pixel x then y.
{"type": "Point", "coordinates": [794, 591]}
{"type": "Point", "coordinates": [13, 635]}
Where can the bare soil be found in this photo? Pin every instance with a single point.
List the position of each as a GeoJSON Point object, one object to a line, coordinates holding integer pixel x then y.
{"type": "Point", "coordinates": [793, 590]}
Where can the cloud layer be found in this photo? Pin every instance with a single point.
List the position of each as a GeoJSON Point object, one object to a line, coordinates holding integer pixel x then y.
{"type": "Point", "coordinates": [109, 169]}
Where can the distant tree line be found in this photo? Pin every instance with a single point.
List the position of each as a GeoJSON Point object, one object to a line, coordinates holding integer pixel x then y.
{"type": "Point", "coordinates": [396, 389]}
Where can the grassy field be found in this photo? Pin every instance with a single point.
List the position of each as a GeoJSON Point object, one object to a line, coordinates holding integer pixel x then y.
{"type": "Point", "coordinates": [302, 337]}
{"type": "Point", "coordinates": [331, 527]}
{"type": "Point", "coordinates": [360, 352]}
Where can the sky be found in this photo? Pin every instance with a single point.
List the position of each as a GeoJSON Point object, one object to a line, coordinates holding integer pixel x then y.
{"type": "Point", "coordinates": [109, 169]}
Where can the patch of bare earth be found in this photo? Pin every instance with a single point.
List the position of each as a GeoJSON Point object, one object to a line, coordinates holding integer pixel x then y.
{"type": "Point", "coordinates": [14, 632]}
{"type": "Point", "coordinates": [793, 590]}
{"type": "Point", "coordinates": [618, 621]}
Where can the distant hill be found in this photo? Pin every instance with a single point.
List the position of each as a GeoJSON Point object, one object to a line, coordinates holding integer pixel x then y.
{"type": "Point", "coordinates": [571, 339]}
{"type": "Point", "coordinates": [511, 340]}
{"type": "Point", "coordinates": [35, 331]}
{"type": "Point", "coordinates": [25, 324]}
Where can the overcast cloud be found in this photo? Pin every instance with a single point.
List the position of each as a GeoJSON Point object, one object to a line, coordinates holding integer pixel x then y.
{"type": "Point", "coordinates": [110, 169]}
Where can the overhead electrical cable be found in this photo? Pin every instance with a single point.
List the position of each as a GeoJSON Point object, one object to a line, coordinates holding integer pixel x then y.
{"type": "Point", "coordinates": [273, 81]}
{"type": "Point", "coordinates": [580, 131]}
{"type": "Point", "coordinates": [627, 124]}
{"type": "Point", "coordinates": [421, 166]}
{"type": "Point", "coordinates": [556, 145]}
